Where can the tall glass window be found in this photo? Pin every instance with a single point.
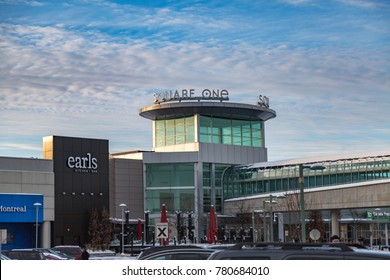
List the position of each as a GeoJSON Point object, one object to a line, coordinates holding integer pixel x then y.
{"type": "Point", "coordinates": [174, 131]}
{"type": "Point", "coordinates": [169, 175]}
{"type": "Point", "coordinates": [174, 199]}
{"type": "Point", "coordinates": [231, 131]}
{"type": "Point", "coordinates": [171, 184]}
{"type": "Point", "coordinates": [212, 183]}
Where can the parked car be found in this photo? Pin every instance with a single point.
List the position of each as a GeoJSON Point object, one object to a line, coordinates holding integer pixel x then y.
{"type": "Point", "coordinates": [51, 254]}
{"type": "Point", "coordinates": [4, 257]}
{"type": "Point", "coordinates": [24, 254]}
{"type": "Point", "coordinates": [71, 250]}
{"type": "Point", "coordinates": [298, 251]}
{"type": "Point", "coordinates": [175, 253]}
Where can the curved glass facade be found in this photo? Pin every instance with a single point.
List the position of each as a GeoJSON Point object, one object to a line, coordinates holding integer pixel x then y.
{"type": "Point", "coordinates": [231, 131]}
{"type": "Point", "coordinates": [215, 130]}
{"type": "Point", "coordinates": [174, 131]}
{"type": "Point", "coordinates": [239, 181]}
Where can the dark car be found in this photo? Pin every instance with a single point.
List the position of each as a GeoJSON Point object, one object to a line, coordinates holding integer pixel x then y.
{"type": "Point", "coordinates": [51, 254]}
{"type": "Point", "coordinates": [298, 251]}
{"type": "Point", "coordinates": [4, 257]}
{"type": "Point", "coordinates": [175, 253]}
{"type": "Point", "coordinates": [24, 254]}
{"type": "Point", "coordinates": [71, 250]}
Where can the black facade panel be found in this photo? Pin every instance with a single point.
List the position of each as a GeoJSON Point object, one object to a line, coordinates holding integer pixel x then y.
{"type": "Point", "coordinates": [81, 184]}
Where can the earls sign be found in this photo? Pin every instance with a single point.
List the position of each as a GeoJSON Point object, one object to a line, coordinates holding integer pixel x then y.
{"type": "Point", "coordinates": [87, 164]}
{"type": "Point", "coordinates": [190, 94]}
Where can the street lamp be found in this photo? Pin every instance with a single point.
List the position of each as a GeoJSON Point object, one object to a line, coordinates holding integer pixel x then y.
{"type": "Point", "coordinates": [36, 204]}
{"type": "Point", "coordinates": [271, 214]}
{"type": "Point", "coordinates": [270, 201]}
{"type": "Point", "coordinates": [264, 223]}
{"type": "Point", "coordinates": [377, 219]}
{"type": "Point", "coordinates": [302, 195]}
{"type": "Point", "coordinates": [122, 205]}
{"type": "Point", "coordinates": [146, 226]}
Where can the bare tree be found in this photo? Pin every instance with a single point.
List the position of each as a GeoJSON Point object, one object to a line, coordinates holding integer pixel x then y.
{"type": "Point", "coordinates": [356, 216]}
{"type": "Point", "coordinates": [292, 207]}
{"type": "Point", "coordinates": [105, 229]}
{"type": "Point", "coordinates": [94, 229]}
{"type": "Point", "coordinates": [316, 222]}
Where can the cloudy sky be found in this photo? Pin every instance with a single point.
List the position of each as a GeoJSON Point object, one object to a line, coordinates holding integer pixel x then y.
{"type": "Point", "coordinates": [84, 68]}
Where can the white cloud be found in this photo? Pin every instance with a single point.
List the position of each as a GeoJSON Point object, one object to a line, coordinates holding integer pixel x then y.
{"type": "Point", "coordinates": [23, 2]}
{"type": "Point", "coordinates": [55, 81]}
{"type": "Point", "coordinates": [367, 4]}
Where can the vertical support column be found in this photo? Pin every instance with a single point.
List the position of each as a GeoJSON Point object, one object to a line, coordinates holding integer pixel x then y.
{"type": "Point", "coordinates": [212, 173]}
{"type": "Point", "coordinates": [302, 203]}
{"type": "Point", "coordinates": [271, 220]}
{"type": "Point", "coordinates": [198, 199]}
{"type": "Point", "coordinates": [386, 235]}
{"type": "Point", "coordinates": [154, 134]}
{"type": "Point", "coordinates": [264, 224]}
{"type": "Point", "coordinates": [45, 234]}
{"type": "Point", "coordinates": [198, 182]}
{"type": "Point", "coordinates": [334, 217]}
{"type": "Point", "coordinates": [281, 227]}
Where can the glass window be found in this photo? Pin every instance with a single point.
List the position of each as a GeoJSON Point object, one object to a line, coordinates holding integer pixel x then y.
{"type": "Point", "coordinates": [174, 199]}
{"type": "Point", "coordinates": [206, 174]}
{"type": "Point", "coordinates": [169, 175]}
{"type": "Point", "coordinates": [312, 181]}
{"type": "Point", "coordinates": [174, 131]}
{"type": "Point", "coordinates": [278, 185]}
{"type": "Point", "coordinates": [230, 131]}
{"type": "Point", "coordinates": [206, 199]}
{"type": "Point", "coordinates": [179, 131]}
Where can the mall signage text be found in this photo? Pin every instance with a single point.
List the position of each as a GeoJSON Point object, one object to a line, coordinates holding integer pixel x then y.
{"type": "Point", "coordinates": [383, 215]}
{"type": "Point", "coordinates": [191, 94]}
{"type": "Point", "coordinates": [13, 209]}
{"type": "Point", "coordinates": [85, 164]}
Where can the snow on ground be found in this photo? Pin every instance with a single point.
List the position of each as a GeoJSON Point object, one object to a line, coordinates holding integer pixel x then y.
{"type": "Point", "coordinates": [109, 255]}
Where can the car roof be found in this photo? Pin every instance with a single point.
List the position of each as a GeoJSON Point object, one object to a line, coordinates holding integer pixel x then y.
{"type": "Point", "coordinates": [298, 251]}
{"type": "Point", "coordinates": [67, 246]}
{"type": "Point", "coordinates": [4, 257]}
{"type": "Point", "coordinates": [180, 254]}
{"type": "Point", "coordinates": [158, 249]}
{"type": "Point", "coordinates": [33, 254]}
{"type": "Point", "coordinates": [25, 249]}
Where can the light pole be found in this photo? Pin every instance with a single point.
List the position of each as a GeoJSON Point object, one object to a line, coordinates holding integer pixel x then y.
{"type": "Point", "coordinates": [302, 195]}
{"type": "Point", "coordinates": [377, 219]}
{"type": "Point", "coordinates": [253, 223]}
{"type": "Point", "coordinates": [146, 226]}
{"type": "Point", "coordinates": [127, 227]}
{"type": "Point", "coordinates": [271, 215]}
{"type": "Point", "coordinates": [122, 205]}
{"type": "Point", "coordinates": [264, 223]}
{"type": "Point", "coordinates": [36, 204]}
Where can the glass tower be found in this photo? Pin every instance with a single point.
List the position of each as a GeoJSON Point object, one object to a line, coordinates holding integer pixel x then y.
{"type": "Point", "coordinates": [193, 144]}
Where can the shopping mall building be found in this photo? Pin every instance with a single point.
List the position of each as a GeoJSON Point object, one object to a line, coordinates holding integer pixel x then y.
{"type": "Point", "coordinates": [206, 151]}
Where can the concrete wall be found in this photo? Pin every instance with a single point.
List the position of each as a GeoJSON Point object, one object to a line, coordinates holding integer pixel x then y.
{"type": "Point", "coordinates": [20, 175]}
{"type": "Point", "coordinates": [231, 154]}
{"type": "Point", "coordinates": [126, 186]}
{"type": "Point", "coordinates": [208, 152]}
{"type": "Point", "coordinates": [361, 195]}
{"type": "Point", "coordinates": [35, 176]}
